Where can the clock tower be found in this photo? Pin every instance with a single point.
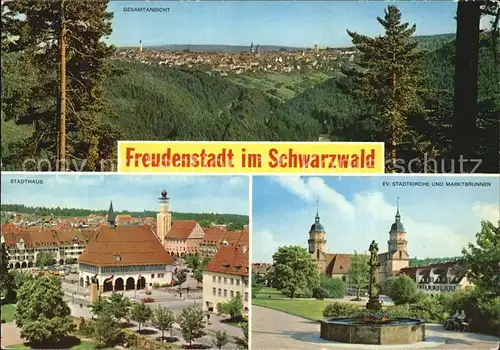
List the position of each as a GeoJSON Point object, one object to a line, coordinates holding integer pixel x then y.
{"type": "Point", "coordinates": [317, 243]}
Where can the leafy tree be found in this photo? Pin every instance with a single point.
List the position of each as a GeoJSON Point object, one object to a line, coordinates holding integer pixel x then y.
{"type": "Point", "coordinates": [233, 307]}
{"type": "Point", "coordinates": [358, 272]}
{"type": "Point", "coordinates": [119, 306]}
{"type": "Point", "coordinates": [106, 331]}
{"type": "Point", "coordinates": [80, 25]}
{"type": "Point", "coordinates": [242, 343]}
{"type": "Point", "coordinates": [295, 272]}
{"type": "Point", "coordinates": [198, 275]}
{"type": "Point", "coordinates": [99, 307]}
{"type": "Point", "coordinates": [191, 323]}
{"type": "Point", "coordinates": [335, 287]}
{"type": "Point", "coordinates": [388, 76]}
{"type": "Point", "coordinates": [180, 275]}
{"type": "Point", "coordinates": [402, 289]}
{"type": "Point", "coordinates": [44, 259]}
{"type": "Point", "coordinates": [220, 339]}
{"type": "Point", "coordinates": [256, 287]}
{"type": "Point", "coordinates": [163, 319]}
{"type": "Point", "coordinates": [6, 280]}
{"type": "Point", "coordinates": [141, 313]}
{"type": "Point", "coordinates": [483, 260]}
{"type": "Point", "coordinates": [42, 313]}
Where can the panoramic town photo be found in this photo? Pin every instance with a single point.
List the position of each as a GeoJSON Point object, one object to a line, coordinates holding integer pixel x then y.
{"type": "Point", "coordinates": [375, 262]}
{"type": "Point", "coordinates": [77, 76]}
{"type": "Point", "coordinates": [91, 261]}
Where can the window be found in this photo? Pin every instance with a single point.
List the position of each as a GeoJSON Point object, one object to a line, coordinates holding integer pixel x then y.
{"type": "Point", "coordinates": [237, 294]}
{"type": "Point", "coordinates": [219, 279]}
{"type": "Point", "coordinates": [237, 282]}
{"type": "Point", "coordinates": [232, 294]}
{"type": "Point", "coordinates": [214, 291]}
{"type": "Point", "coordinates": [246, 296]}
{"type": "Point", "coordinates": [225, 280]}
{"type": "Point", "coordinates": [152, 275]}
{"type": "Point", "coordinates": [213, 279]}
{"type": "Point", "coordinates": [161, 275]}
{"type": "Point", "coordinates": [225, 293]}
{"type": "Point", "coordinates": [232, 280]}
{"type": "Point", "coordinates": [219, 292]}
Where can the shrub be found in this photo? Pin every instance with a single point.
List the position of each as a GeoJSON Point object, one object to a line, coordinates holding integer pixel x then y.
{"type": "Point", "coordinates": [335, 287]}
{"type": "Point", "coordinates": [427, 309]}
{"type": "Point", "coordinates": [156, 285]}
{"type": "Point", "coordinates": [85, 329]}
{"type": "Point", "coordinates": [320, 293]}
{"type": "Point", "coordinates": [402, 290]}
{"type": "Point", "coordinates": [341, 309]}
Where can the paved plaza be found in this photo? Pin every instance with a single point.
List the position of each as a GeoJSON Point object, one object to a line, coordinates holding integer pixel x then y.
{"type": "Point", "coordinates": [273, 329]}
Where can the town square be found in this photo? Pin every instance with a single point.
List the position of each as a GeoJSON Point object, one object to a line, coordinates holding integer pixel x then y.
{"type": "Point", "coordinates": [375, 262]}
{"type": "Point", "coordinates": [125, 261]}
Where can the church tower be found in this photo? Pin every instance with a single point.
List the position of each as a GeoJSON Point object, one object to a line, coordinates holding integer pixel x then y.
{"type": "Point", "coordinates": [111, 216]}
{"type": "Point", "coordinates": [317, 243]}
{"type": "Point", "coordinates": [398, 246]}
{"type": "Point", "coordinates": [163, 218]}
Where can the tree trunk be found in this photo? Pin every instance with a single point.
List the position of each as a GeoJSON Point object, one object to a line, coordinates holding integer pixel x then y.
{"type": "Point", "coordinates": [466, 66]}
{"type": "Point", "coordinates": [162, 335]}
{"type": "Point", "coordinates": [393, 131]}
{"type": "Point", "coordinates": [61, 161]}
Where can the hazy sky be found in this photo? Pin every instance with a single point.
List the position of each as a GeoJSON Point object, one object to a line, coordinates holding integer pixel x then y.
{"type": "Point", "coordinates": [439, 221]}
{"type": "Point", "coordinates": [283, 23]}
{"type": "Point", "coordinates": [188, 194]}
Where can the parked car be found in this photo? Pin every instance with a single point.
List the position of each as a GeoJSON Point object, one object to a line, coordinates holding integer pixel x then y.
{"type": "Point", "coordinates": [148, 300]}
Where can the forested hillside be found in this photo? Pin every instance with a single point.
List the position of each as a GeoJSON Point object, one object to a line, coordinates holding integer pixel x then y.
{"type": "Point", "coordinates": [157, 103]}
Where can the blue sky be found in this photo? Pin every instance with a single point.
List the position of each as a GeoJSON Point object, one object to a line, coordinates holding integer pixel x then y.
{"type": "Point", "coordinates": [283, 23]}
{"type": "Point", "coordinates": [354, 210]}
{"type": "Point", "coordinates": [194, 194]}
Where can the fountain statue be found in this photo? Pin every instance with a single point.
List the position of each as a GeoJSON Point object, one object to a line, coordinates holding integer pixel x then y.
{"type": "Point", "coordinates": [372, 326]}
{"type": "Point", "coordinates": [373, 284]}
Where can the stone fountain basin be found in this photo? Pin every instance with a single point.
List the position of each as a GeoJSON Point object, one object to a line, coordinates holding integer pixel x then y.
{"type": "Point", "coordinates": [401, 330]}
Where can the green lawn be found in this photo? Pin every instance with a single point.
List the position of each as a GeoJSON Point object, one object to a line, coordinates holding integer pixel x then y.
{"type": "Point", "coordinates": [8, 312]}
{"type": "Point", "coordinates": [310, 309]}
{"type": "Point", "coordinates": [84, 345]}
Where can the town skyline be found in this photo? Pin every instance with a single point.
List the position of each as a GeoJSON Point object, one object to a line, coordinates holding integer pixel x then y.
{"type": "Point", "coordinates": [189, 194]}
{"type": "Point", "coordinates": [439, 221]}
{"type": "Point", "coordinates": [301, 24]}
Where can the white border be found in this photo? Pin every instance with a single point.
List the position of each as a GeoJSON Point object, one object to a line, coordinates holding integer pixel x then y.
{"type": "Point", "coordinates": [166, 173]}
{"type": "Point", "coordinates": [250, 230]}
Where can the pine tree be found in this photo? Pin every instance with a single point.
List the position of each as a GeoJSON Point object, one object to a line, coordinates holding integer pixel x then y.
{"type": "Point", "coordinates": [5, 276]}
{"type": "Point", "coordinates": [40, 26]}
{"type": "Point", "coordinates": [388, 77]}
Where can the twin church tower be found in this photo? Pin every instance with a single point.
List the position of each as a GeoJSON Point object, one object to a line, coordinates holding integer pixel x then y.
{"type": "Point", "coordinates": [337, 265]}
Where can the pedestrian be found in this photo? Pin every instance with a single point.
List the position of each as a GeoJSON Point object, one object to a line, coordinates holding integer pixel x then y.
{"type": "Point", "coordinates": [208, 318]}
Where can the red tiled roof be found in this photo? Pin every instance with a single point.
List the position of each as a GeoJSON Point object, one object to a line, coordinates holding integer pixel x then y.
{"type": "Point", "coordinates": [36, 236]}
{"type": "Point", "coordinates": [230, 260]}
{"type": "Point", "coordinates": [213, 235]}
{"type": "Point", "coordinates": [338, 263]}
{"type": "Point", "coordinates": [135, 245]}
{"type": "Point", "coordinates": [181, 229]}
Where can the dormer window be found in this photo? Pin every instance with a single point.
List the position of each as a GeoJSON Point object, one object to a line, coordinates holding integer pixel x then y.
{"type": "Point", "coordinates": [225, 266]}
{"type": "Point", "coordinates": [118, 258]}
{"type": "Point", "coordinates": [236, 268]}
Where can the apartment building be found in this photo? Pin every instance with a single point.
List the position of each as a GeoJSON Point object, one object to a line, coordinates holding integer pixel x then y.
{"type": "Point", "coordinates": [226, 276]}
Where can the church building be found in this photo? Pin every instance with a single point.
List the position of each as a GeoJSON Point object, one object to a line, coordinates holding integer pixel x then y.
{"type": "Point", "coordinates": [338, 265]}
{"type": "Point", "coordinates": [124, 257]}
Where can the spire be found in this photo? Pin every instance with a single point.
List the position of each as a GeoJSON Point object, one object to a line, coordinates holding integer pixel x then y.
{"type": "Point", "coordinates": [398, 216]}
{"type": "Point", "coordinates": [111, 215]}
{"type": "Point", "coordinates": [317, 211]}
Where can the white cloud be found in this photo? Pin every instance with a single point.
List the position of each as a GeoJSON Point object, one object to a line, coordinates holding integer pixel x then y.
{"type": "Point", "coordinates": [487, 211]}
{"type": "Point", "coordinates": [315, 188]}
{"type": "Point", "coordinates": [266, 244]}
{"type": "Point", "coordinates": [352, 222]}
{"type": "Point", "coordinates": [486, 22]}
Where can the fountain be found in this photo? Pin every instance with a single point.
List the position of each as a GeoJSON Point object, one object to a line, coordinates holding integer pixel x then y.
{"type": "Point", "coordinates": [373, 327]}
